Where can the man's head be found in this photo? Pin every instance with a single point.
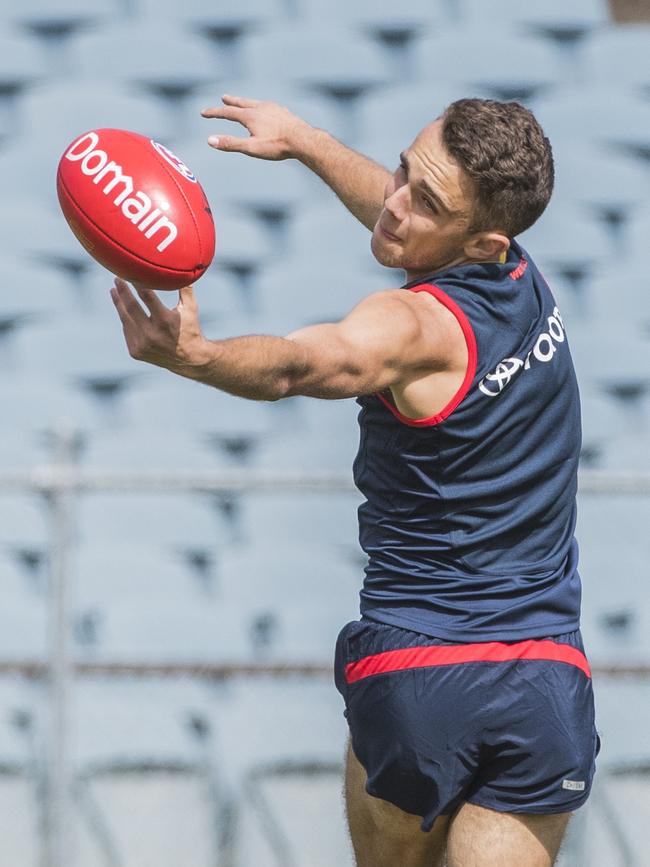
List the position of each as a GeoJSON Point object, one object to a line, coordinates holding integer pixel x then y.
{"type": "Point", "coordinates": [472, 180]}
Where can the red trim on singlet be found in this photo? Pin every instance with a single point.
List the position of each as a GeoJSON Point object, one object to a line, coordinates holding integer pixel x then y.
{"type": "Point", "coordinates": [455, 654]}
{"type": "Point", "coordinates": [470, 340]}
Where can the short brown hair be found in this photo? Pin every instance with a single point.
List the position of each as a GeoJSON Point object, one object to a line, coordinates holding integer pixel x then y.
{"type": "Point", "coordinates": [503, 149]}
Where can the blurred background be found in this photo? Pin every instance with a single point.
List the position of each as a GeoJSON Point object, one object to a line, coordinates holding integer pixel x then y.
{"type": "Point", "coordinates": [175, 563]}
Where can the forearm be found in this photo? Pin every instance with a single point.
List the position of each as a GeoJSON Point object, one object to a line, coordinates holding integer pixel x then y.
{"type": "Point", "coordinates": [357, 180]}
{"type": "Point", "coordinates": [256, 367]}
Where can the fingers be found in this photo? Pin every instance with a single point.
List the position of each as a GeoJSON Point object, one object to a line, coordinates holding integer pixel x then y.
{"type": "Point", "coordinates": [240, 101]}
{"type": "Point", "coordinates": [247, 146]}
{"type": "Point", "coordinates": [187, 298]}
{"type": "Point", "coordinates": [151, 301]}
{"type": "Point", "coordinates": [127, 307]}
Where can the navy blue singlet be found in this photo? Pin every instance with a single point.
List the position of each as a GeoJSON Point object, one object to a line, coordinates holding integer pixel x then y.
{"type": "Point", "coordinates": [469, 515]}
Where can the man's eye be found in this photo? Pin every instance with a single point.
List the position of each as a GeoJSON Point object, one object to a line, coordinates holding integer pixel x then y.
{"type": "Point", "coordinates": [429, 204]}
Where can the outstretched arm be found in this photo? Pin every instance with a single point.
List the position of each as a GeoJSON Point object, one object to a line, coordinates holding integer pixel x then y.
{"type": "Point", "coordinates": [388, 339]}
{"type": "Point", "coordinates": [277, 134]}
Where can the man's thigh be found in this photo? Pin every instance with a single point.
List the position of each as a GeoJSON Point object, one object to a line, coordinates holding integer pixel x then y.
{"type": "Point", "coordinates": [479, 837]}
{"type": "Point", "coordinates": [382, 834]}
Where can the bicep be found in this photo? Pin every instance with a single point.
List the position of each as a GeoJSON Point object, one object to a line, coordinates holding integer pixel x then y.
{"type": "Point", "coordinates": [376, 346]}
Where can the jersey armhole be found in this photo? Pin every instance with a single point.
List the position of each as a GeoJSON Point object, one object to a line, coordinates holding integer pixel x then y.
{"type": "Point", "coordinates": [472, 357]}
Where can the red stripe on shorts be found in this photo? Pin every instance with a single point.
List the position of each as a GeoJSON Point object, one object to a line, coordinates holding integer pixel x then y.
{"type": "Point", "coordinates": [455, 654]}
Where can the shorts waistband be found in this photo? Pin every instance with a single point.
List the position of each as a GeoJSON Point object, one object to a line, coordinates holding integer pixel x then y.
{"type": "Point", "coordinates": [455, 654]}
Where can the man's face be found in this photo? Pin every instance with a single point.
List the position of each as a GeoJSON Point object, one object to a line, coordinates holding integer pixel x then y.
{"type": "Point", "coordinates": [427, 209]}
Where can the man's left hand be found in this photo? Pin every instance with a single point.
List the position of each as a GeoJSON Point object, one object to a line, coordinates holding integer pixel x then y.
{"type": "Point", "coordinates": [170, 338]}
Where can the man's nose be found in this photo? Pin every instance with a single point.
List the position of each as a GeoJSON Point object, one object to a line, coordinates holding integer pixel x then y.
{"type": "Point", "coordinates": [397, 203]}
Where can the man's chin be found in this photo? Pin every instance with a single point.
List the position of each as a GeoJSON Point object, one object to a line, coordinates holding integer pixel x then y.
{"type": "Point", "coordinates": [387, 258]}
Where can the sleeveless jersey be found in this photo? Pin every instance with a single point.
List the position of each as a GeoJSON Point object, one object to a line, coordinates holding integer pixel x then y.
{"type": "Point", "coordinates": [469, 516]}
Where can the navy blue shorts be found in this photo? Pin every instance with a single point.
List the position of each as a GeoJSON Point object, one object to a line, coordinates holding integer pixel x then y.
{"type": "Point", "coordinates": [508, 726]}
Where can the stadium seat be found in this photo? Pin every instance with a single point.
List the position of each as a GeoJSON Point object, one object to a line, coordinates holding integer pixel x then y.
{"type": "Point", "coordinates": [23, 613]}
{"type": "Point", "coordinates": [56, 18]}
{"type": "Point", "coordinates": [33, 293]}
{"type": "Point", "coordinates": [300, 292]}
{"type": "Point", "coordinates": [161, 59]}
{"type": "Point", "coordinates": [389, 22]}
{"type": "Point", "coordinates": [24, 529]}
{"type": "Point", "coordinates": [60, 407]}
{"type": "Point", "coordinates": [227, 19]}
{"type": "Point", "coordinates": [636, 237]}
{"type": "Point", "coordinates": [391, 118]}
{"type": "Point", "coordinates": [283, 766]}
{"type": "Point", "coordinates": [292, 599]}
{"type": "Point", "coordinates": [271, 190]}
{"type": "Point", "coordinates": [300, 451]}
{"type": "Point", "coordinates": [31, 231]}
{"type": "Point", "coordinates": [164, 632]}
{"type": "Point", "coordinates": [615, 362]}
{"type": "Point", "coordinates": [602, 426]}
{"type": "Point", "coordinates": [90, 355]}
{"type": "Point", "coordinates": [139, 450]}
{"type": "Point", "coordinates": [569, 241]}
{"type": "Point", "coordinates": [628, 452]}
{"type": "Point", "coordinates": [67, 109]}
{"type": "Point", "coordinates": [619, 295]}
{"type": "Point", "coordinates": [600, 115]}
{"type": "Point", "coordinates": [521, 67]}
{"type": "Point", "coordinates": [22, 451]}
{"type": "Point", "coordinates": [138, 759]}
{"type": "Point", "coordinates": [174, 522]}
{"type": "Point", "coordinates": [263, 722]}
{"type": "Point", "coordinates": [618, 56]}
{"type": "Point", "coordinates": [326, 232]}
{"type": "Point", "coordinates": [612, 185]}
{"type": "Point", "coordinates": [320, 519]}
{"type": "Point", "coordinates": [555, 18]}
{"type": "Point", "coordinates": [326, 59]}
{"type": "Point", "coordinates": [233, 425]}
{"type": "Point", "coordinates": [21, 62]}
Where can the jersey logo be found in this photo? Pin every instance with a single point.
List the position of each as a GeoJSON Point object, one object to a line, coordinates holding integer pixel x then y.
{"type": "Point", "coordinates": [574, 785]}
{"type": "Point", "coordinates": [543, 350]}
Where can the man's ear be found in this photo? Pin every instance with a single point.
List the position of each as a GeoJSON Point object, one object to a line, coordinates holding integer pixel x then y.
{"type": "Point", "coordinates": [492, 246]}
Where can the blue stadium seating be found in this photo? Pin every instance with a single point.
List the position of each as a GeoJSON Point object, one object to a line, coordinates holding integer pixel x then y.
{"type": "Point", "coordinates": [43, 236]}
{"type": "Point", "coordinates": [568, 240]}
{"type": "Point", "coordinates": [520, 67]}
{"type": "Point", "coordinates": [297, 292]}
{"type": "Point", "coordinates": [619, 296]}
{"type": "Point", "coordinates": [226, 19]}
{"type": "Point", "coordinates": [235, 180]}
{"type": "Point", "coordinates": [59, 406]}
{"type": "Point", "coordinates": [390, 119]}
{"type": "Point", "coordinates": [68, 109]}
{"type": "Point", "coordinates": [596, 114]}
{"type": "Point", "coordinates": [618, 55]}
{"type": "Point", "coordinates": [303, 54]}
{"type": "Point", "coordinates": [293, 598]}
{"type": "Point", "coordinates": [21, 62]}
{"type": "Point", "coordinates": [57, 18]}
{"type": "Point", "coordinates": [175, 523]}
{"type": "Point", "coordinates": [23, 612]}
{"type": "Point", "coordinates": [323, 232]}
{"type": "Point", "coordinates": [636, 236]}
{"type": "Point", "coordinates": [553, 17]}
{"type": "Point", "coordinates": [394, 23]}
{"type": "Point", "coordinates": [611, 184]}
{"type": "Point", "coordinates": [172, 63]}
{"type": "Point", "coordinates": [231, 424]}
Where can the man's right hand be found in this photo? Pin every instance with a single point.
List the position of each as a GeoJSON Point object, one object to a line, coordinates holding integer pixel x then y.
{"type": "Point", "coordinates": [275, 133]}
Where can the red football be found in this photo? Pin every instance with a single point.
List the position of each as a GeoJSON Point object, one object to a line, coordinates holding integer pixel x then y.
{"type": "Point", "coordinates": [136, 208]}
